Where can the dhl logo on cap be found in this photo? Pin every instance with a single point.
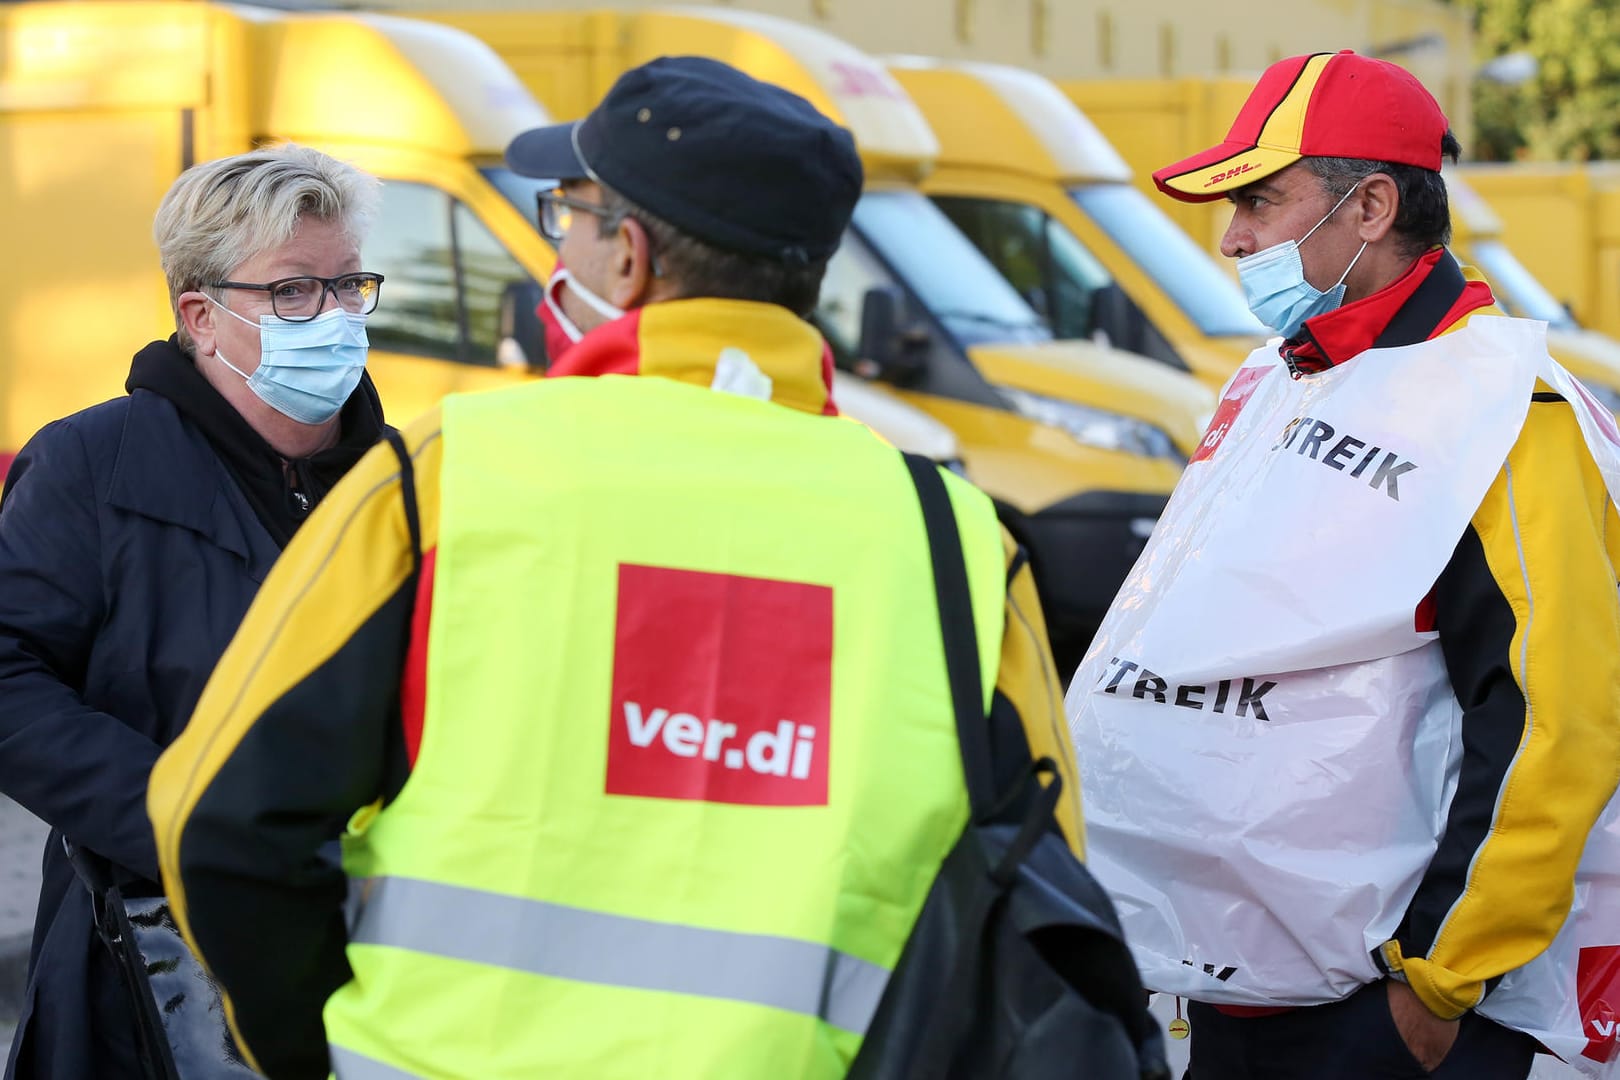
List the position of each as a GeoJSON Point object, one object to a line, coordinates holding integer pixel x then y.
{"type": "Point", "coordinates": [1322, 105]}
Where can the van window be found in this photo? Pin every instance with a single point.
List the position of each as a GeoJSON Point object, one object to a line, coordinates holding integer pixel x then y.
{"type": "Point", "coordinates": [410, 246]}
{"type": "Point", "coordinates": [945, 271]}
{"type": "Point", "coordinates": [1192, 279]}
{"type": "Point", "coordinates": [487, 268]}
{"type": "Point", "coordinates": [444, 275]}
{"type": "Point", "coordinates": [1038, 256]}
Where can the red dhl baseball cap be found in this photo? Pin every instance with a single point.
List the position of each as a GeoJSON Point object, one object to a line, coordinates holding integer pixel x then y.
{"type": "Point", "coordinates": [1322, 105]}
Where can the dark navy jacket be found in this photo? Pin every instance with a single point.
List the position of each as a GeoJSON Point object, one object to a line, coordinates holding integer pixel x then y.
{"type": "Point", "coordinates": [128, 555]}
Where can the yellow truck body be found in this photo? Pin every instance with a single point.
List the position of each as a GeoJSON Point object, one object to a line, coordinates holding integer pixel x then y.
{"type": "Point", "coordinates": [1480, 241]}
{"type": "Point", "coordinates": [1563, 220]}
{"type": "Point", "coordinates": [1123, 40]}
{"type": "Point", "coordinates": [1153, 122]}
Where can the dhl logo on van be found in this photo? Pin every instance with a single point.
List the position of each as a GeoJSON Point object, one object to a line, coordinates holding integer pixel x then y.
{"type": "Point", "coordinates": [859, 80]}
{"type": "Point", "coordinates": [722, 688]}
{"type": "Point", "coordinates": [1236, 170]}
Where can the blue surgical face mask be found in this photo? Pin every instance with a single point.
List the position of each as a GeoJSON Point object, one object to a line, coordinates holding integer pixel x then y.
{"type": "Point", "coordinates": [307, 370]}
{"type": "Point", "coordinates": [1274, 283]}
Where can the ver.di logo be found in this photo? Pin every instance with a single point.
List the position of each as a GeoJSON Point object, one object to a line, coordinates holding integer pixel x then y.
{"type": "Point", "coordinates": [1597, 987]}
{"type": "Point", "coordinates": [1237, 395]}
{"type": "Point", "coordinates": [722, 688]}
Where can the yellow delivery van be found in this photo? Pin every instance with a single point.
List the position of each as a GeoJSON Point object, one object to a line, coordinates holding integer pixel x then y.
{"type": "Point", "coordinates": [1040, 191]}
{"type": "Point", "coordinates": [103, 104]}
{"type": "Point", "coordinates": [1155, 122]}
{"type": "Point", "coordinates": [1078, 443]}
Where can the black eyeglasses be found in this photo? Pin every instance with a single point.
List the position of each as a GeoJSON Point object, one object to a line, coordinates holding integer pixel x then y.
{"type": "Point", "coordinates": [300, 299]}
{"type": "Point", "coordinates": [557, 213]}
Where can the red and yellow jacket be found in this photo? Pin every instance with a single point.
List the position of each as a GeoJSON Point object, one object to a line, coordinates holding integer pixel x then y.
{"type": "Point", "coordinates": [1529, 625]}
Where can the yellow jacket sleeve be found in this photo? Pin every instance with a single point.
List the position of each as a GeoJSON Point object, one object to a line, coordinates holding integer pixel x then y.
{"type": "Point", "coordinates": [1529, 625]}
{"type": "Point", "coordinates": [1028, 680]}
{"type": "Point", "coordinates": [294, 732]}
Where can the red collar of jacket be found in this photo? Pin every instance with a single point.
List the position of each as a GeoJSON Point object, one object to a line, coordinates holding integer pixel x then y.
{"type": "Point", "coordinates": [1344, 333]}
{"type": "Point", "coordinates": [686, 340]}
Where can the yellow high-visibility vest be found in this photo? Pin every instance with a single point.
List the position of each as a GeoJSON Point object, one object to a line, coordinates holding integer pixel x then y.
{"type": "Point", "coordinates": [689, 763]}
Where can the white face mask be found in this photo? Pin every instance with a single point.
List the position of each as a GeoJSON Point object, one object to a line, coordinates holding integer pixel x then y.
{"type": "Point", "coordinates": [569, 328]}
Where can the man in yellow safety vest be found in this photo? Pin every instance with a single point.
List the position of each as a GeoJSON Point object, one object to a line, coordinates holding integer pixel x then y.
{"type": "Point", "coordinates": [627, 694]}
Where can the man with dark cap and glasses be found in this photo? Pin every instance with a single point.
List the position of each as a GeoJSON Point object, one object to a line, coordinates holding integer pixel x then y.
{"type": "Point", "coordinates": [630, 690]}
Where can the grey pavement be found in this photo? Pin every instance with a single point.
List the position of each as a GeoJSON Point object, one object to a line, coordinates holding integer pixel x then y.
{"type": "Point", "coordinates": [22, 838]}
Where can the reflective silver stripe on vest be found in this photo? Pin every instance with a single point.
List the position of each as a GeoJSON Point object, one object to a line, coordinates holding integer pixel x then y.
{"type": "Point", "coordinates": [348, 1065]}
{"type": "Point", "coordinates": [614, 950]}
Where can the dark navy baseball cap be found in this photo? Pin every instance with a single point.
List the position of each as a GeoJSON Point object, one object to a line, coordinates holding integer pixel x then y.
{"type": "Point", "coordinates": [738, 163]}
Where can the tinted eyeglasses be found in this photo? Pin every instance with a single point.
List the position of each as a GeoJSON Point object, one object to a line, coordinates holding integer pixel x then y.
{"type": "Point", "coordinates": [300, 299]}
{"type": "Point", "coordinates": [557, 213]}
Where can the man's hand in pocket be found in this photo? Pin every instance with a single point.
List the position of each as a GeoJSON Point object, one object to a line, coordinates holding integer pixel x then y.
{"type": "Point", "coordinates": [1428, 1037]}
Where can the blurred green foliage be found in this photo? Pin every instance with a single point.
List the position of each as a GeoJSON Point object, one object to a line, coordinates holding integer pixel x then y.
{"type": "Point", "coordinates": [1570, 108]}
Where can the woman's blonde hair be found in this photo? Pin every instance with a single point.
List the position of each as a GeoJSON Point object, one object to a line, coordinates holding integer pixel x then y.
{"type": "Point", "coordinates": [219, 214]}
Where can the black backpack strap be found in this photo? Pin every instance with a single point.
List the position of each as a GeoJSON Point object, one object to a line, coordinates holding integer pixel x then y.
{"type": "Point", "coordinates": [958, 630]}
{"type": "Point", "coordinates": [407, 487]}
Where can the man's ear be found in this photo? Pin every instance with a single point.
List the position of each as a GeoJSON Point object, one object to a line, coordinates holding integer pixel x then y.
{"type": "Point", "coordinates": [632, 277]}
{"type": "Point", "coordinates": [1380, 204]}
{"type": "Point", "coordinates": [197, 316]}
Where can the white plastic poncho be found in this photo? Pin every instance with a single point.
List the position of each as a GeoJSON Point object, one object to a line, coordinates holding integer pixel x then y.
{"type": "Point", "coordinates": [1268, 744]}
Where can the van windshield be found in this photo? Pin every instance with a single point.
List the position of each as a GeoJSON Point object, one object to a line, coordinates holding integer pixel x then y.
{"type": "Point", "coordinates": [945, 271]}
{"type": "Point", "coordinates": [1515, 287]}
{"type": "Point", "coordinates": [1187, 274]}
{"type": "Point", "coordinates": [1049, 267]}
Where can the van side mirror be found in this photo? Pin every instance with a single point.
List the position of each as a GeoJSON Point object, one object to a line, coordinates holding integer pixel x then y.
{"type": "Point", "coordinates": [893, 346]}
{"type": "Point", "coordinates": [1117, 322]}
{"type": "Point", "coordinates": [521, 342]}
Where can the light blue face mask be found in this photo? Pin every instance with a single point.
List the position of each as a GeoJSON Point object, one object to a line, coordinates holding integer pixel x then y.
{"type": "Point", "coordinates": [307, 370]}
{"type": "Point", "coordinates": [1274, 282]}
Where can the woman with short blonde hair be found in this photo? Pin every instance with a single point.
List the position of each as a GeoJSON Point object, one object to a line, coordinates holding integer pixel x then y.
{"type": "Point", "coordinates": [134, 534]}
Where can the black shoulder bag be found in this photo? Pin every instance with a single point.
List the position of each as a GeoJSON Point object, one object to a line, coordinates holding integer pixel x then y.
{"type": "Point", "coordinates": [179, 1012]}
{"type": "Point", "coordinates": [1017, 967]}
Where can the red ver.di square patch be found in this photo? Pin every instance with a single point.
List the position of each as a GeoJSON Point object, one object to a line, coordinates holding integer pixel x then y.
{"type": "Point", "coordinates": [1597, 981]}
{"type": "Point", "coordinates": [722, 688]}
{"type": "Point", "coordinates": [1237, 395]}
